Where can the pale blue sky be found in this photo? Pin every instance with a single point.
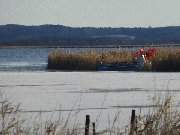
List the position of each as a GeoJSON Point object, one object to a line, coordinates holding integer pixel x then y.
{"type": "Point", "coordinates": [114, 13]}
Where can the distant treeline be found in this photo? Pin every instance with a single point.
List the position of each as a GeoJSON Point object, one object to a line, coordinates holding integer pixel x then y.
{"type": "Point", "coordinates": [58, 35]}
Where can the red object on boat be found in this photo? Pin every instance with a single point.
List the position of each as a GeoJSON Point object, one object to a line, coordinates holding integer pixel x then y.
{"type": "Point", "coordinates": [148, 54]}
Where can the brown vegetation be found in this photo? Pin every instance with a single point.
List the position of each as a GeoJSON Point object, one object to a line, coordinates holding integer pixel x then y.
{"type": "Point", "coordinates": [165, 60]}
{"type": "Point", "coordinates": [162, 120]}
{"type": "Point", "coordinates": [85, 61]}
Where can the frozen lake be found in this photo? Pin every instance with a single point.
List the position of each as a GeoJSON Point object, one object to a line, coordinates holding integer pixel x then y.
{"type": "Point", "coordinates": [100, 94]}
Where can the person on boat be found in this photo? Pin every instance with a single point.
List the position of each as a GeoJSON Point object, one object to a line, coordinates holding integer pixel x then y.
{"type": "Point", "coordinates": [141, 58]}
{"type": "Point", "coordinates": [143, 55]}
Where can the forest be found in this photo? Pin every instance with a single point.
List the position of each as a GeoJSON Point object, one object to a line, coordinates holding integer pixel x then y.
{"type": "Point", "coordinates": [59, 35]}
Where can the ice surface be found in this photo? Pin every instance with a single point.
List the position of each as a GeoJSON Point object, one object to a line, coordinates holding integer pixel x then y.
{"type": "Point", "coordinates": [97, 93]}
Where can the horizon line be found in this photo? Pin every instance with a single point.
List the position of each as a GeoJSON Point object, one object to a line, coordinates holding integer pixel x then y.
{"type": "Point", "coordinates": [34, 25]}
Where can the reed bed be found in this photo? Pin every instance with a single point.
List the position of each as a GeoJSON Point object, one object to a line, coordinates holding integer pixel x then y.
{"type": "Point", "coordinates": [165, 60]}
{"type": "Point", "coordinates": [85, 60]}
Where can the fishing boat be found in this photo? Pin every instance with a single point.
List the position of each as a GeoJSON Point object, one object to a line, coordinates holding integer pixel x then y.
{"type": "Point", "coordinates": [139, 59]}
{"type": "Point", "coordinates": [123, 66]}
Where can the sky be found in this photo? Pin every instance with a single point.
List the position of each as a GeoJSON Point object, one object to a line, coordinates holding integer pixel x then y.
{"type": "Point", "coordinates": [95, 13]}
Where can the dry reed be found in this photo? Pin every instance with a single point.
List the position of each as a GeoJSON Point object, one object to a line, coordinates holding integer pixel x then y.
{"type": "Point", "coordinates": [162, 120]}
{"type": "Point", "coordinates": [85, 61]}
{"type": "Point", "coordinates": [165, 60]}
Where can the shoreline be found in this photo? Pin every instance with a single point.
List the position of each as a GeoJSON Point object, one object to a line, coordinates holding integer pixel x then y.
{"type": "Point", "coordinates": [89, 46]}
